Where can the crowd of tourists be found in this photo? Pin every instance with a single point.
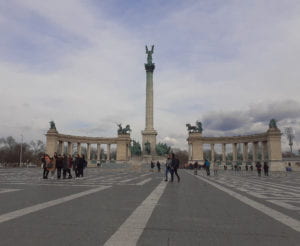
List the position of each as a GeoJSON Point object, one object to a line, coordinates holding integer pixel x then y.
{"type": "Point", "coordinates": [63, 164]}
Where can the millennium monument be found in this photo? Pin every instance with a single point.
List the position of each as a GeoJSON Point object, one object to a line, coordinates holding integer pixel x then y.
{"type": "Point", "coordinates": [149, 134]}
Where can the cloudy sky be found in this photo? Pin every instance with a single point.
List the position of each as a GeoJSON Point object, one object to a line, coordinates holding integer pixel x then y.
{"type": "Point", "coordinates": [231, 64]}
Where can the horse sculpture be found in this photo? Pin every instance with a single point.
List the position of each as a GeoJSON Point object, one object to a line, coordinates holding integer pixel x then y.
{"type": "Point", "coordinates": [52, 125]}
{"type": "Point", "coordinates": [125, 130]}
{"type": "Point", "coordinates": [197, 128]}
{"type": "Point", "coordinates": [272, 123]}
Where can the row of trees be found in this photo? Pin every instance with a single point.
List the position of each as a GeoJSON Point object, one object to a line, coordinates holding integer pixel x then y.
{"type": "Point", "coordinates": [12, 151]}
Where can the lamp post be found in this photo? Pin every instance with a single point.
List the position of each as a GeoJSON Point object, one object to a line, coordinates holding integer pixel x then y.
{"type": "Point", "coordinates": [21, 151]}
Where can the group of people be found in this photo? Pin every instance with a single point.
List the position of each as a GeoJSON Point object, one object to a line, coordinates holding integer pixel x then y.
{"type": "Point", "coordinates": [259, 168]}
{"type": "Point", "coordinates": [63, 164]}
{"type": "Point", "coordinates": [205, 166]}
{"type": "Point", "coordinates": [153, 165]}
{"type": "Point", "coordinates": [172, 165]}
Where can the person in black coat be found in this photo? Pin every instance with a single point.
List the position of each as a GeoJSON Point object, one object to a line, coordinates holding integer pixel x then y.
{"type": "Point", "coordinates": [175, 166]}
{"type": "Point", "coordinates": [266, 168]}
{"type": "Point", "coordinates": [59, 165]}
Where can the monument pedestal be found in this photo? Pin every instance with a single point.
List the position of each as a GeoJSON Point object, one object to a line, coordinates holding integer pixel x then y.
{"type": "Point", "coordinates": [150, 137]}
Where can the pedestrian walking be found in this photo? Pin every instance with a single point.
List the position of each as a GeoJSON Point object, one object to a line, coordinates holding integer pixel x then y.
{"type": "Point", "coordinates": [266, 168]}
{"type": "Point", "coordinates": [207, 167]}
{"type": "Point", "coordinates": [258, 167]}
{"type": "Point", "coordinates": [66, 169]}
{"type": "Point", "coordinates": [45, 170]}
{"type": "Point", "coordinates": [76, 165]}
{"type": "Point", "coordinates": [158, 166]}
{"type": "Point", "coordinates": [59, 165]}
{"type": "Point", "coordinates": [81, 165]}
{"type": "Point", "coordinates": [174, 166]}
{"type": "Point", "coordinates": [216, 168]}
{"type": "Point", "coordinates": [152, 166]}
{"type": "Point", "coordinates": [46, 163]}
{"type": "Point", "coordinates": [168, 167]}
{"type": "Point", "coordinates": [196, 166]}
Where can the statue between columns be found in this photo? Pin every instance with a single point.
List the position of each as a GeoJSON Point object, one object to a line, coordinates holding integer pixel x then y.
{"type": "Point", "coordinates": [149, 55]}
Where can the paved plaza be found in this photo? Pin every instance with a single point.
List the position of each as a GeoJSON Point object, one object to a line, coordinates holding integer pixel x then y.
{"type": "Point", "coordinates": [133, 206]}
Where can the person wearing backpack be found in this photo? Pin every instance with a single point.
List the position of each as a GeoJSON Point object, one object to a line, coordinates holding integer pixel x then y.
{"type": "Point", "coordinates": [207, 167]}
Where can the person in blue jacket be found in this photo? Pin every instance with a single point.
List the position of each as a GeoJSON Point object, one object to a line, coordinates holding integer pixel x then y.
{"type": "Point", "coordinates": [207, 167]}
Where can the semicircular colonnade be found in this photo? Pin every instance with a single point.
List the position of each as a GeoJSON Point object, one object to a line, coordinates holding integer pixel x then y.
{"type": "Point", "coordinates": [270, 142]}
{"type": "Point", "coordinates": [55, 143]}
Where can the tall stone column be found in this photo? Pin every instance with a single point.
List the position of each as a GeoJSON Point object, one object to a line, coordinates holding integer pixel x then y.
{"type": "Point", "coordinates": [149, 134]}
{"type": "Point", "coordinates": [98, 152]}
{"type": "Point", "coordinates": [79, 149]}
{"type": "Point", "coordinates": [212, 152]}
{"type": "Point", "coordinates": [234, 153]}
{"type": "Point", "coordinates": [190, 152]}
{"type": "Point", "coordinates": [88, 152]}
{"type": "Point", "coordinates": [274, 149]}
{"type": "Point", "coordinates": [255, 151]}
{"type": "Point", "coordinates": [51, 141]}
{"type": "Point", "coordinates": [108, 152]}
{"type": "Point", "coordinates": [245, 153]}
{"type": "Point", "coordinates": [264, 151]}
{"type": "Point", "coordinates": [70, 148]}
{"type": "Point", "coordinates": [224, 153]}
{"type": "Point", "coordinates": [61, 147]}
{"type": "Point", "coordinates": [196, 143]}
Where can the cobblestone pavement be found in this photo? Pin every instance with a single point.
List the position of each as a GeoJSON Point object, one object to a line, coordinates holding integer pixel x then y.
{"type": "Point", "coordinates": [133, 206]}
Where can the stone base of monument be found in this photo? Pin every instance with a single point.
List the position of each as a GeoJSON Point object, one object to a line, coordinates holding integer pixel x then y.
{"type": "Point", "coordinates": [276, 166]}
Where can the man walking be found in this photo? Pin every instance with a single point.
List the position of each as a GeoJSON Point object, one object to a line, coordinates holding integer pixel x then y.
{"type": "Point", "coordinates": [175, 166]}
{"type": "Point", "coordinates": [207, 167]}
{"type": "Point", "coordinates": [168, 168]}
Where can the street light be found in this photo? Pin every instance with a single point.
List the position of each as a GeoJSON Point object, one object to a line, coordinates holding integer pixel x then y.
{"type": "Point", "coordinates": [21, 149]}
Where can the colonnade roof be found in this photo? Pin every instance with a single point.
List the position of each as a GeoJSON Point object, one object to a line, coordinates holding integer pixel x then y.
{"type": "Point", "coordinates": [88, 140]}
{"type": "Point", "coordinates": [262, 137]}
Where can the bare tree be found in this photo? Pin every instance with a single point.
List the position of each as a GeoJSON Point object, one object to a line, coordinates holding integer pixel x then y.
{"type": "Point", "coordinates": [290, 135]}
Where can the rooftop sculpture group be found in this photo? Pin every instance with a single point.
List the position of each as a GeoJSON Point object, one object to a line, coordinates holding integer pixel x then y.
{"type": "Point", "coordinates": [125, 130]}
{"type": "Point", "coordinates": [196, 128]}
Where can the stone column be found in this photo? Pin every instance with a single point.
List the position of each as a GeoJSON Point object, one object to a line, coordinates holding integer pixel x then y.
{"type": "Point", "coordinates": [224, 153]}
{"type": "Point", "coordinates": [51, 142]}
{"type": "Point", "coordinates": [98, 152]}
{"type": "Point", "coordinates": [197, 147]}
{"type": "Point", "coordinates": [79, 149]}
{"type": "Point", "coordinates": [190, 152]}
{"type": "Point", "coordinates": [274, 149]}
{"type": "Point", "coordinates": [70, 148]}
{"type": "Point", "coordinates": [245, 153]}
{"type": "Point", "coordinates": [123, 144]}
{"type": "Point", "coordinates": [255, 148]}
{"type": "Point", "coordinates": [234, 153]}
{"type": "Point", "coordinates": [264, 151]}
{"type": "Point", "coordinates": [149, 134]}
{"type": "Point", "coordinates": [88, 152]}
{"type": "Point", "coordinates": [212, 149]}
{"type": "Point", "coordinates": [108, 152]}
{"type": "Point", "coordinates": [61, 147]}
